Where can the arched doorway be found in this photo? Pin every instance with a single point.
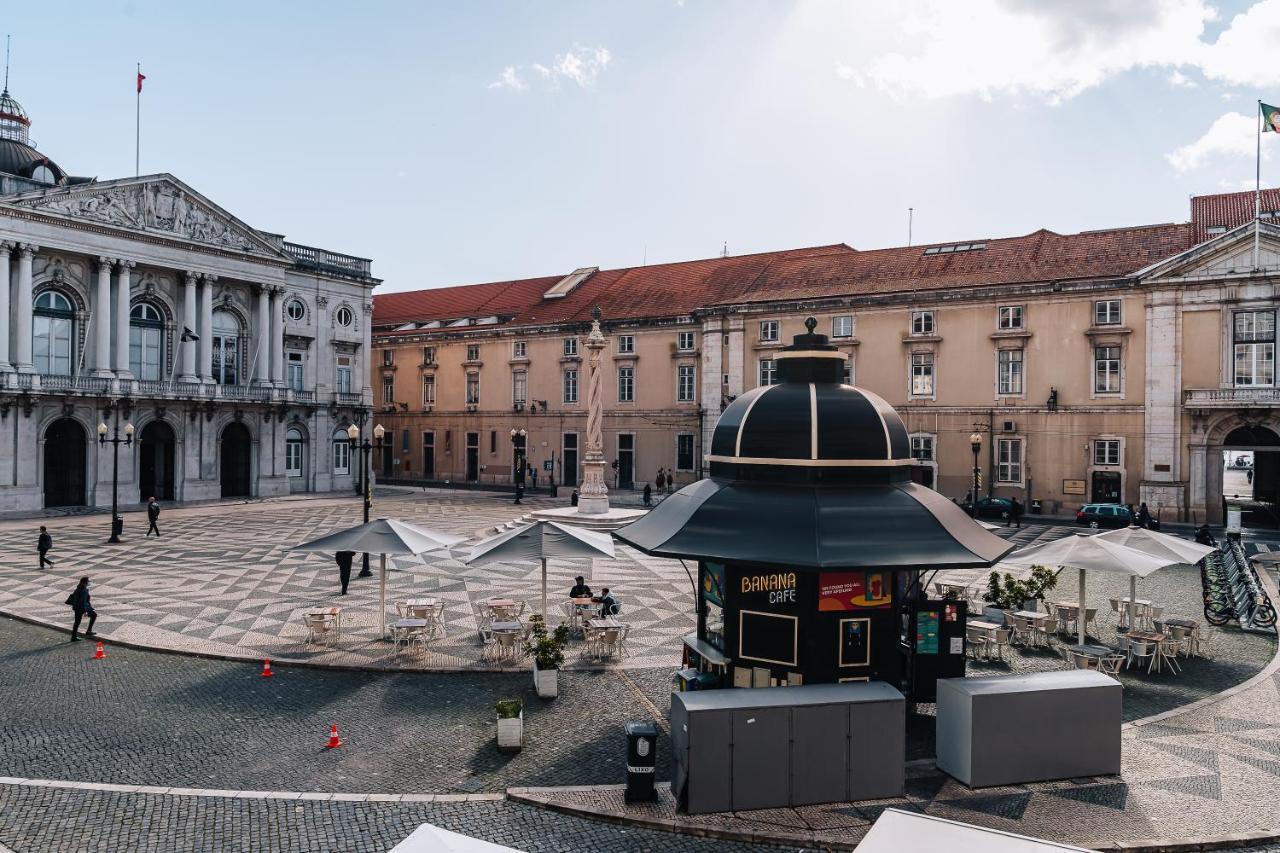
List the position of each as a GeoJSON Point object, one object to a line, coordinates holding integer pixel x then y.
{"type": "Point", "coordinates": [155, 462]}
{"type": "Point", "coordinates": [64, 463]}
{"type": "Point", "coordinates": [237, 445]}
{"type": "Point", "coordinates": [1251, 474]}
{"type": "Point", "coordinates": [295, 458]}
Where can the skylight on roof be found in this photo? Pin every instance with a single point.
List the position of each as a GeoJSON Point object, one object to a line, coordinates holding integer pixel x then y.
{"type": "Point", "coordinates": [954, 247]}
{"type": "Point", "coordinates": [562, 287]}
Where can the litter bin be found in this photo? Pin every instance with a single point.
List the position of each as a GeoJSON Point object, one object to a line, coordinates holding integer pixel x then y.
{"type": "Point", "coordinates": [642, 759]}
{"type": "Point", "coordinates": [117, 525]}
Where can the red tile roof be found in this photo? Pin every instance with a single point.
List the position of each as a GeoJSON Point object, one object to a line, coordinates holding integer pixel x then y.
{"type": "Point", "coordinates": [1227, 210]}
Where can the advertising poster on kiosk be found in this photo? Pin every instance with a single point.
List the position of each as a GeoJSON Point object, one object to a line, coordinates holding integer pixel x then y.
{"type": "Point", "coordinates": [843, 591]}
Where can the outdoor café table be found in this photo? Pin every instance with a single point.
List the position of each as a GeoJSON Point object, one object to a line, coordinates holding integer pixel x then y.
{"type": "Point", "coordinates": [959, 590]}
{"type": "Point", "coordinates": [1192, 627]}
{"type": "Point", "coordinates": [512, 627]}
{"type": "Point", "coordinates": [333, 614]}
{"type": "Point", "coordinates": [611, 622]}
{"type": "Point", "coordinates": [1033, 616]}
{"type": "Point", "coordinates": [402, 630]}
{"type": "Point", "coordinates": [1093, 651]}
{"type": "Point", "coordinates": [421, 602]}
{"type": "Point", "coordinates": [1158, 640]}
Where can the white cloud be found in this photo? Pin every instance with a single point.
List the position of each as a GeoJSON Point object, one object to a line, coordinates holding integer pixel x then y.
{"type": "Point", "coordinates": [848, 72]}
{"type": "Point", "coordinates": [1242, 55]}
{"type": "Point", "coordinates": [581, 66]}
{"type": "Point", "coordinates": [1230, 135]}
{"type": "Point", "coordinates": [1182, 81]}
{"type": "Point", "coordinates": [509, 79]}
{"type": "Point", "coordinates": [1028, 47]}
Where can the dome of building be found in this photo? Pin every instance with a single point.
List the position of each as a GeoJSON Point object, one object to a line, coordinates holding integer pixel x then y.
{"type": "Point", "coordinates": [809, 426]}
{"type": "Point", "coordinates": [18, 155]}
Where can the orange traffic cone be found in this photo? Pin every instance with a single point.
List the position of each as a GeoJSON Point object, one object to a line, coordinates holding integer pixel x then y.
{"type": "Point", "coordinates": [99, 653]}
{"type": "Point", "coordinates": [266, 669]}
{"type": "Point", "coordinates": [334, 740]}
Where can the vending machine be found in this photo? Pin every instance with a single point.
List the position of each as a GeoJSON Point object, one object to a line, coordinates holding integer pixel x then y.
{"type": "Point", "coordinates": [933, 642]}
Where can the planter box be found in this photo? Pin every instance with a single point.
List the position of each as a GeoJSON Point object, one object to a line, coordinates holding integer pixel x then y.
{"type": "Point", "coordinates": [546, 682]}
{"type": "Point", "coordinates": [511, 732]}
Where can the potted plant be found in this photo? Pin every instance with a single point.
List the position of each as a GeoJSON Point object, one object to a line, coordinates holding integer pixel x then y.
{"type": "Point", "coordinates": [547, 651]}
{"type": "Point", "coordinates": [1012, 594]}
{"type": "Point", "coordinates": [510, 724]}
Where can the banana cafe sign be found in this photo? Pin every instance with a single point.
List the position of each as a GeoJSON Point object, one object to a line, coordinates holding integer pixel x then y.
{"type": "Point", "coordinates": [776, 588]}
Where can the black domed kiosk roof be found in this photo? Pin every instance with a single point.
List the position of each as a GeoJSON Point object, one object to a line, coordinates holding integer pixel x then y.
{"type": "Point", "coordinates": [811, 473]}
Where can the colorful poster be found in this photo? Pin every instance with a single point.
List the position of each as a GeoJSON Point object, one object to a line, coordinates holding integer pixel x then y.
{"type": "Point", "coordinates": [855, 642]}
{"type": "Point", "coordinates": [841, 591]}
{"type": "Point", "coordinates": [713, 583]}
{"type": "Point", "coordinates": [926, 633]}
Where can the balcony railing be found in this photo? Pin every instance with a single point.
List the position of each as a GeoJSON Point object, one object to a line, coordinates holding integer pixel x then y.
{"type": "Point", "coordinates": [344, 398]}
{"type": "Point", "coordinates": [1232, 398]}
{"type": "Point", "coordinates": [162, 389]}
{"type": "Point", "coordinates": [85, 384]}
{"type": "Point", "coordinates": [325, 261]}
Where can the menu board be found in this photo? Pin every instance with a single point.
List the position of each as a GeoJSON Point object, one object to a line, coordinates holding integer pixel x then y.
{"type": "Point", "coordinates": [768, 637]}
{"type": "Point", "coordinates": [926, 632]}
{"type": "Point", "coordinates": [842, 591]}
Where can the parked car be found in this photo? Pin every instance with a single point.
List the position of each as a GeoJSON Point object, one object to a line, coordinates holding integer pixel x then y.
{"type": "Point", "coordinates": [1108, 515]}
{"type": "Point", "coordinates": [990, 507]}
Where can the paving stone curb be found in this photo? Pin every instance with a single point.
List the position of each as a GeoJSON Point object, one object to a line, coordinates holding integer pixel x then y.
{"type": "Point", "coordinates": [231, 794]}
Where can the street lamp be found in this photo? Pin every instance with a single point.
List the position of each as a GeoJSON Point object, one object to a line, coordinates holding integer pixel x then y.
{"type": "Point", "coordinates": [975, 442]}
{"type": "Point", "coordinates": [117, 523]}
{"type": "Point", "coordinates": [366, 448]}
{"type": "Point", "coordinates": [518, 437]}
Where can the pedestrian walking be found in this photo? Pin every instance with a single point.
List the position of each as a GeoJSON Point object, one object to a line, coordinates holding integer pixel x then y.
{"type": "Point", "coordinates": [153, 515]}
{"type": "Point", "coordinates": [648, 495]}
{"type": "Point", "coordinates": [344, 559]}
{"type": "Point", "coordinates": [80, 605]}
{"type": "Point", "coordinates": [533, 477]}
{"type": "Point", "coordinates": [1015, 514]}
{"type": "Point", "coordinates": [660, 480]}
{"type": "Point", "coordinates": [43, 544]}
{"type": "Point", "coordinates": [573, 498]}
{"type": "Point", "coordinates": [1144, 515]}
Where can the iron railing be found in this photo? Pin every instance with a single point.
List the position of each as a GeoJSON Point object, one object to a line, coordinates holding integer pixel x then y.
{"type": "Point", "coordinates": [325, 261]}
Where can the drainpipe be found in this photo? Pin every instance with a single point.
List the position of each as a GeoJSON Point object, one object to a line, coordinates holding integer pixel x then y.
{"type": "Point", "coordinates": [991, 464]}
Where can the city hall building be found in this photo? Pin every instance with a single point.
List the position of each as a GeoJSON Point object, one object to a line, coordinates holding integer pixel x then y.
{"type": "Point", "coordinates": [1118, 365]}
{"type": "Point", "coordinates": [236, 357]}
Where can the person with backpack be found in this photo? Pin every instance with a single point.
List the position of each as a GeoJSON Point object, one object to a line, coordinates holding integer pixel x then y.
{"type": "Point", "coordinates": [80, 605]}
{"type": "Point", "coordinates": [1015, 514]}
{"type": "Point", "coordinates": [43, 544]}
{"type": "Point", "coordinates": [153, 515]}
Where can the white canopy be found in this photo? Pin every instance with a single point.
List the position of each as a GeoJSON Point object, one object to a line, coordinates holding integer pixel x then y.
{"type": "Point", "coordinates": [383, 536]}
{"type": "Point", "coordinates": [897, 831]}
{"type": "Point", "coordinates": [432, 839]}
{"type": "Point", "coordinates": [539, 540]}
{"type": "Point", "coordinates": [1158, 544]}
{"type": "Point", "coordinates": [1092, 553]}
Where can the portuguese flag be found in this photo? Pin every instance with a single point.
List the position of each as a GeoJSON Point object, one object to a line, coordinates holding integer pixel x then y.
{"type": "Point", "coordinates": [1270, 118]}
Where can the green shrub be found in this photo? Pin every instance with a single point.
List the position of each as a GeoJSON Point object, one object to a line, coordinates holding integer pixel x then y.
{"type": "Point", "coordinates": [1011, 594]}
{"type": "Point", "coordinates": [509, 708]}
{"type": "Point", "coordinates": [547, 649]}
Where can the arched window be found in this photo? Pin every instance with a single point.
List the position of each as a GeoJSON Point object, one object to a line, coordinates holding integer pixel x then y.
{"type": "Point", "coordinates": [226, 347]}
{"type": "Point", "coordinates": [52, 344]}
{"type": "Point", "coordinates": [146, 331]}
{"type": "Point", "coordinates": [293, 445]}
{"type": "Point", "coordinates": [341, 452]}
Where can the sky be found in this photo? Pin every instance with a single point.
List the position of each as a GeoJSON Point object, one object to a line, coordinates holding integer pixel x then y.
{"type": "Point", "coordinates": [474, 141]}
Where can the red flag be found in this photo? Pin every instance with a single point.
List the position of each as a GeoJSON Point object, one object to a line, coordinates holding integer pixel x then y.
{"type": "Point", "coordinates": [141, 77]}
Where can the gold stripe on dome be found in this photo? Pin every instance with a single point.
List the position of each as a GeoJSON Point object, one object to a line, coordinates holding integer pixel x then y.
{"type": "Point", "coordinates": [810, 353]}
{"type": "Point", "coordinates": [813, 463]}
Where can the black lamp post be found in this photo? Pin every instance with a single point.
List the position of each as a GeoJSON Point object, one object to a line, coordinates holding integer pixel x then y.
{"type": "Point", "coordinates": [366, 448]}
{"type": "Point", "coordinates": [117, 523]}
{"type": "Point", "coordinates": [975, 442]}
{"type": "Point", "coordinates": [518, 437]}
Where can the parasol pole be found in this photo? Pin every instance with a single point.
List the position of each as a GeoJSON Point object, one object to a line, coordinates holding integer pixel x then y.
{"type": "Point", "coordinates": [1133, 601]}
{"type": "Point", "coordinates": [1081, 611]}
{"type": "Point", "coordinates": [382, 599]}
{"type": "Point", "coordinates": [544, 592]}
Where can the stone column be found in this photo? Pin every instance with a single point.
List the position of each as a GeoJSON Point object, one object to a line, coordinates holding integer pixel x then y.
{"type": "Point", "coordinates": [712, 348]}
{"type": "Point", "coordinates": [262, 352]}
{"type": "Point", "coordinates": [26, 252]}
{"type": "Point", "coordinates": [4, 307]}
{"type": "Point", "coordinates": [190, 370]}
{"type": "Point", "coordinates": [593, 498]}
{"type": "Point", "coordinates": [102, 319]}
{"type": "Point", "coordinates": [206, 328]}
{"type": "Point", "coordinates": [277, 336]}
{"type": "Point", "coordinates": [124, 283]}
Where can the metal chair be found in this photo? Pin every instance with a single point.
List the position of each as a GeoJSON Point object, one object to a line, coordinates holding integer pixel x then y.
{"type": "Point", "coordinates": [319, 628]}
{"type": "Point", "coordinates": [1046, 629]}
{"type": "Point", "coordinates": [976, 639]}
{"type": "Point", "coordinates": [1003, 635]}
{"type": "Point", "coordinates": [1141, 650]}
{"type": "Point", "coordinates": [1079, 660]}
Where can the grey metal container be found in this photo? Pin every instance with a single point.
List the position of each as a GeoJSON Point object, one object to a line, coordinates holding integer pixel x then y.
{"type": "Point", "coordinates": [1010, 729]}
{"type": "Point", "coordinates": [758, 748]}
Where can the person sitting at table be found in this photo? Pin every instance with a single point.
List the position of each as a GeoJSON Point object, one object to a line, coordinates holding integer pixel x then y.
{"type": "Point", "coordinates": [608, 604]}
{"type": "Point", "coordinates": [580, 588]}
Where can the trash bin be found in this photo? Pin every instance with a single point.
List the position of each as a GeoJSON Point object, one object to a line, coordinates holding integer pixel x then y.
{"type": "Point", "coordinates": [117, 525]}
{"type": "Point", "coordinates": [642, 759]}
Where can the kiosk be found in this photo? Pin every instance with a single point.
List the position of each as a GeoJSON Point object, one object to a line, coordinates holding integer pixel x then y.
{"type": "Point", "coordinates": [811, 539]}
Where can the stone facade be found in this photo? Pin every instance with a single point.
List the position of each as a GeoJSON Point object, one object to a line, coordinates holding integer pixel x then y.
{"type": "Point", "coordinates": [234, 354]}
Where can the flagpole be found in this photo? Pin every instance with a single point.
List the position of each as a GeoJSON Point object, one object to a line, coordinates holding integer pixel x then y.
{"type": "Point", "coordinates": [1257, 189]}
{"type": "Point", "coordinates": [137, 131]}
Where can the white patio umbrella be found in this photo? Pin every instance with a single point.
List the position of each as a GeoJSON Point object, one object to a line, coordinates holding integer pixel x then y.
{"type": "Point", "coordinates": [540, 540]}
{"type": "Point", "coordinates": [1157, 545]}
{"type": "Point", "coordinates": [1266, 558]}
{"type": "Point", "coordinates": [429, 838]}
{"type": "Point", "coordinates": [383, 536]}
{"type": "Point", "coordinates": [1090, 553]}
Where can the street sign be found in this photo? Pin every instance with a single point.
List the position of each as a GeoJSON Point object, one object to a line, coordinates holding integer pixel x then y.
{"type": "Point", "coordinates": [548, 465]}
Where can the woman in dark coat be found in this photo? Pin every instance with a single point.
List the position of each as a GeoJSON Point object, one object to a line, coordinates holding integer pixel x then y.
{"type": "Point", "coordinates": [80, 605]}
